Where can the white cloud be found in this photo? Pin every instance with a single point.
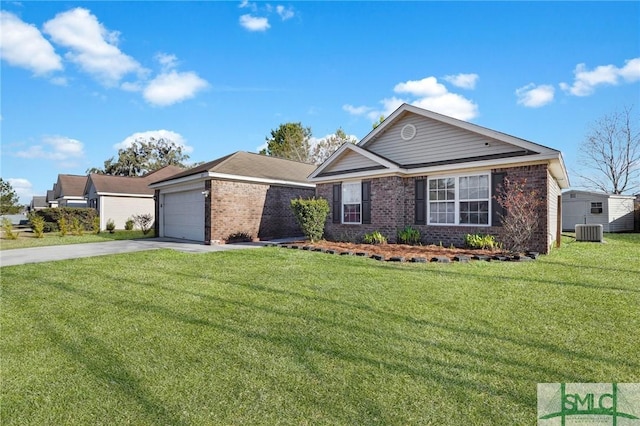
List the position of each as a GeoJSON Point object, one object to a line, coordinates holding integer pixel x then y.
{"type": "Point", "coordinates": [464, 81]}
{"type": "Point", "coordinates": [427, 93]}
{"type": "Point", "coordinates": [428, 86]}
{"type": "Point", "coordinates": [167, 61]}
{"type": "Point", "coordinates": [56, 148]}
{"type": "Point", "coordinates": [24, 46]}
{"type": "Point", "coordinates": [285, 13]}
{"type": "Point", "coordinates": [173, 87]}
{"type": "Point", "coordinates": [353, 110]}
{"type": "Point", "coordinates": [23, 188]}
{"type": "Point", "coordinates": [92, 46]}
{"type": "Point", "coordinates": [586, 81]}
{"type": "Point", "coordinates": [535, 96]}
{"type": "Point", "coordinates": [177, 138]}
{"type": "Point", "coordinates": [254, 23]}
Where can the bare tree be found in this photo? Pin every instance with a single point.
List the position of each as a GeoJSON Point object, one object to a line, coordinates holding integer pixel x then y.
{"type": "Point", "coordinates": [610, 154]}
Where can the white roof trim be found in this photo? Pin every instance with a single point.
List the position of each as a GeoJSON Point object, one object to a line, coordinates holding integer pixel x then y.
{"type": "Point", "coordinates": [223, 176]}
{"type": "Point", "coordinates": [123, 194]}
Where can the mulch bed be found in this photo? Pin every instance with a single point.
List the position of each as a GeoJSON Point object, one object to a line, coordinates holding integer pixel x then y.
{"type": "Point", "coordinates": [407, 253]}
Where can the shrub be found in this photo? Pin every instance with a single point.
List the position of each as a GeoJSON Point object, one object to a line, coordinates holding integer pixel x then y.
{"type": "Point", "coordinates": [128, 225]}
{"type": "Point", "coordinates": [311, 215]}
{"type": "Point", "coordinates": [521, 219]}
{"type": "Point", "coordinates": [62, 226]}
{"type": "Point", "coordinates": [144, 221]}
{"type": "Point", "coordinates": [111, 226]}
{"type": "Point", "coordinates": [374, 237]}
{"type": "Point", "coordinates": [37, 224]}
{"type": "Point", "coordinates": [96, 225]}
{"type": "Point", "coordinates": [239, 237]}
{"type": "Point", "coordinates": [480, 241]}
{"type": "Point", "coordinates": [7, 227]}
{"type": "Point", "coordinates": [52, 218]}
{"type": "Point", "coordinates": [76, 227]}
{"type": "Point", "coordinates": [409, 235]}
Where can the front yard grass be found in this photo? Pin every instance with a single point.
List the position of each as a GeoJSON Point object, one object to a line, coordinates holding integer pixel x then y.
{"type": "Point", "coordinates": [27, 240]}
{"type": "Point", "coordinates": [276, 336]}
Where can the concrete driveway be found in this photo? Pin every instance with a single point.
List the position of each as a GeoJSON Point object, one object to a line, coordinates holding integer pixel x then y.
{"type": "Point", "coordinates": [73, 251]}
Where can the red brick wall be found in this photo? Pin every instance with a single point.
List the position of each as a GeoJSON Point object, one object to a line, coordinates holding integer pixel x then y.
{"type": "Point", "coordinates": [259, 210]}
{"type": "Point", "coordinates": [393, 208]}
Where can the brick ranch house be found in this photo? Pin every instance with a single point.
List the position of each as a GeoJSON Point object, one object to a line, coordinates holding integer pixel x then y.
{"type": "Point", "coordinates": [438, 175]}
{"type": "Point", "coordinates": [239, 193]}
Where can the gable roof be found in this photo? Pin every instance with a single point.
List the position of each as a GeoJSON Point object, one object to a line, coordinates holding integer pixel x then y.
{"type": "Point", "coordinates": [443, 144]}
{"type": "Point", "coordinates": [70, 186]}
{"type": "Point", "coordinates": [39, 201]}
{"type": "Point", "coordinates": [246, 166]}
{"type": "Point", "coordinates": [129, 185]}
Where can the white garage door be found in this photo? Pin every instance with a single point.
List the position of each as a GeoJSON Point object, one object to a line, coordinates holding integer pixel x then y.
{"type": "Point", "coordinates": [183, 215]}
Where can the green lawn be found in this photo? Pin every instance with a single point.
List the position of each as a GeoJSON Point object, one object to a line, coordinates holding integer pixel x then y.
{"type": "Point", "coordinates": [277, 336]}
{"type": "Point", "coordinates": [26, 239]}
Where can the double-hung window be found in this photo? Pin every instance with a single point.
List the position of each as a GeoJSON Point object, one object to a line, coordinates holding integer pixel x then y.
{"type": "Point", "coordinates": [460, 200]}
{"type": "Point", "coordinates": [352, 202]}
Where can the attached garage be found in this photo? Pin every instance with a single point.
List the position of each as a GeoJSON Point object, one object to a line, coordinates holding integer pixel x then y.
{"type": "Point", "coordinates": [240, 194]}
{"type": "Point", "coordinates": [182, 215]}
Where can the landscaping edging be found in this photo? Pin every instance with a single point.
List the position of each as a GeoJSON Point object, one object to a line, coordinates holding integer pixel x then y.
{"type": "Point", "coordinates": [528, 257]}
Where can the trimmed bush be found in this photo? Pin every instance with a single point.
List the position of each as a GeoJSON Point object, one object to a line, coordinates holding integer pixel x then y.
{"type": "Point", "coordinates": [52, 218]}
{"type": "Point", "coordinates": [111, 226]}
{"type": "Point", "coordinates": [128, 225]}
{"type": "Point", "coordinates": [311, 215]}
{"type": "Point", "coordinates": [239, 237]}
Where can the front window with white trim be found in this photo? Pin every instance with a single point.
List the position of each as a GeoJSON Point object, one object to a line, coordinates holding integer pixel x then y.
{"type": "Point", "coordinates": [461, 200]}
{"type": "Point", "coordinates": [352, 202]}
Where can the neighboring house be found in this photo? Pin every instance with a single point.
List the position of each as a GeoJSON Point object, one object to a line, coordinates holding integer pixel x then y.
{"type": "Point", "coordinates": [69, 191]}
{"type": "Point", "coordinates": [51, 197]}
{"type": "Point", "coordinates": [38, 202]}
{"type": "Point", "coordinates": [613, 212]}
{"type": "Point", "coordinates": [438, 175]}
{"type": "Point", "coordinates": [239, 193]}
{"type": "Point", "coordinates": [118, 198]}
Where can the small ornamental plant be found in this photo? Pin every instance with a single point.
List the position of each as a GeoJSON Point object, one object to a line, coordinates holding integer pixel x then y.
{"type": "Point", "coordinates": [144, 222]}
{"type": "Point", "coordinates": [374, 237]}
{"type": "Point", "coordinates": [63, 227]}
{"type": "Point", "coordinates": [111, 226]}
{"type": "Point", "coordinates": [7, 227]}
{"type": "Point", "coordinates": [95, 225]}
{"type": "Point", "coordinates": [128, 225]}
{"type": "Point", "coordinates": [409, 235]}
{"type": "Point", "coordinates": [37, 225]}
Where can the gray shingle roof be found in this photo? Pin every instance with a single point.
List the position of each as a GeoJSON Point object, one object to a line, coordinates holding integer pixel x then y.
{"type": "Point", "coordinates": [251, 165]}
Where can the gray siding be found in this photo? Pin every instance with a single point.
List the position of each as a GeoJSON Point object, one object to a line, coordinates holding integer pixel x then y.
{"type": "Point", "coordinates": [553, 192]}
{"type": "Point", "coordinates": [434, 141]}
{"type": "Point", "coordinates": [350, 160]}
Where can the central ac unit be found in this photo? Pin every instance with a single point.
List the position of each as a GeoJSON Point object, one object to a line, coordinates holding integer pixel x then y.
{"type": "Point", "coordinates": [589, 233]}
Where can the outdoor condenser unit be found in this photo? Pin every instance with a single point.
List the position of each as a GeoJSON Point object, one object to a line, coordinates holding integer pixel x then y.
{"type": "Point", "coordinates": [589, 233]}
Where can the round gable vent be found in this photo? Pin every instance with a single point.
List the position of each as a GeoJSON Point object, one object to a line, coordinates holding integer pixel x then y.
{"type": "Point", "coordinates": [408, 132]}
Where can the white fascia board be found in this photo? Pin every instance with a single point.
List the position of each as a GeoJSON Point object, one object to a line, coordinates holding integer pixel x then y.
{"type": "Point", "coordinates": [224, 176]}
{"type": "Point", "coordinates": [371, 174]}
{"type": "Point", "coordinates": [185, 179]}
{"type": "Point", "coordinates": [118, 194]}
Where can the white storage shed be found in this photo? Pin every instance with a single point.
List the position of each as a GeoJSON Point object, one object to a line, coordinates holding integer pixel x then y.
{"type": "Point", "coordinates": [613, 212]}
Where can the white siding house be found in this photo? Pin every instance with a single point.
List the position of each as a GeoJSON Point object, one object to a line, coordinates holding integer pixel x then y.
{"type": "Point", "coordinates": [613, 212]}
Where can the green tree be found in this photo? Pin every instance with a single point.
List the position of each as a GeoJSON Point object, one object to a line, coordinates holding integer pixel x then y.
{"type": "Point", "coordinates": [327, 146]}
{"type": "Point", "coordinates": [290, 141]}
{"type": "Point", "coordinates": [8, 199]}
{"type": "Point", "coordinates": [144, 156]}
{"type": "Point", "coordinates": [378, 121]}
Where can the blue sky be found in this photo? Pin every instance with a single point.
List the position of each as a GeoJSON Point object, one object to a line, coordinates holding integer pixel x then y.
{"type": "Point", "coordinates": [81, 79]}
